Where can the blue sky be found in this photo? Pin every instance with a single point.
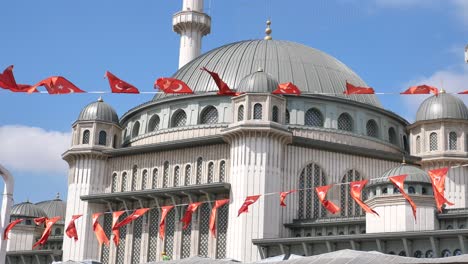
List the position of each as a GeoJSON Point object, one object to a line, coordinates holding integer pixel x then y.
{"type": "Point", "coordinates": [389, 43]}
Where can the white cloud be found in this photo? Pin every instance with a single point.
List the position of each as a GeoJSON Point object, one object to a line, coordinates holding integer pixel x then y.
{"type": "Point", "coordinates": [33, 149]}
{"type": "Point", "coordinates": [462, 9]}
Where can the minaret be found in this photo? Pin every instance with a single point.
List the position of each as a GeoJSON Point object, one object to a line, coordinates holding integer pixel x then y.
{"type": "Point", "coordinates": [191, 24]}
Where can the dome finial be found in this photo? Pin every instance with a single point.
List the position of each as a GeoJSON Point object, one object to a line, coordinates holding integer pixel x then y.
{"type": "Point", "coordinates": [442, 91]}
{"type": "Point", "coordinates": [268, 30]}
{"type": "Point", "coordinates": [100, 99]}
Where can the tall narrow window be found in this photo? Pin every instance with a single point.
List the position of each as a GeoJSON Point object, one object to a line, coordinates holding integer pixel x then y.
{"type": "Point", "coordinates": [433, 142]}
{"type": "Point", "coordinates": [210, 172]}
{"type": "Point", "coordinates": [121, 247]}
{"type": "Point", "coordinates": [204, 217]}
{"type": "Point", "coordinates": [221, 240]}
{"type": "Point", "coordinates": [144, 179]}
{"type": "Point", "coordinates": [209, 115]}
{"type": "Point", "coordinates": [170, 231]}
{"type": "Point", "coordinates": [372, 129]}
{"type": "Point", "coordinates": [452, 141]}
{"type": "Point", "coordinates": [136, 243]}
{"type": "Point", "coordinates": [86, 136]}
{"type": "Point", "coordinates": [288, 118]}
{"type": "Point", "coordinates": [405, 144]}
{"type": "Point", "coordinates": [348, 205]}
{"type": "Point", "coordinates": [153, 123]}
{"type": "Point", "coordinates": [114, 182]}
{"type": "Point", "coordinates": [345, 122]}
{"type": "Point", "coordinates": [418, 144]}
{"type": "Point", "coordinates": [275, 114]}
{"type": "Point", "coordinates": [392, 137]}
{"type": "Point", "coordinates": [257, 111]}
{"type": "Point", "coordinates": [314, 118]}
{"type": "Point", "coordinates": [222, 171]}
{"type": "Point", "coordinates": [176, 176]}
{"type": "Point", "coordinates": [107, 225]}
{"type": "Point", "coordinates": [179, 119]}
{"type": "Point", "coordinates": [186, 238]}
{"type": "Point", "coordinates": [153, 234]}
{"type": "Point", "coordinates": [134, 177]}
{"type": "Point", "coordinates": [199, 170]}
{"type": "Point", "coordinates": [114, 142]}
{"type": "Point", "coordinates": [240, 113]}
{"type": "Point", "coordinates": [188, 172]}
{"type": "Point", "coordinates": [154, 183]}
{"type": "Point", "coordinates": [166, 174]}
{"type": "Point", "coordinates": [102, 138]}
{"type": "Point", "coordinates": [124, 182]}
{"type": "Point", "coordinates": [309, 205]}
{"type": "Point", "coordinates": [136, 129]}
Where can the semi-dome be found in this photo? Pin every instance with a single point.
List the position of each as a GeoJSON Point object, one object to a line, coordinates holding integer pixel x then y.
{"type": "Point", "coordinates": [98, 111]}
{"type": "Point", "coordinates": [53, 208]}
{"type": "Point", "coordinates": [442, 106]}
{"type": "Point", "coordinates": [27, 209]}
{"type": "Point", "coordinates": [415, 174]}
{"type": "Point", "coordinates": [258, 81]}
{"type": "Point", "coordinates": [312, 70]}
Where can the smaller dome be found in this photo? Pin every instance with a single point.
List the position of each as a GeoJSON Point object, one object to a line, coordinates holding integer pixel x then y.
{"type": "Point", "coordinates": [257, 82]}
{"type": "Point", "coordinates": [442, 106]}
{"type": "Point", "coordinates": [415, 174]}
{"type": "Point", "coordinates": [27, 209]}
{"type": "Point", "coordinates": [53, 208]}
{"type": "Point", "coordinates": [98, 111]}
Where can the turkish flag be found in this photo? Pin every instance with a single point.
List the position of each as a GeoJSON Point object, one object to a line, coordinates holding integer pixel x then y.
{"type": "Point", "coordinates": [47, 231]}
{"type": "Point", "coordinates": [218, 204]}
{"type": "Point", "coordinates": [71, 228]}
{"type": "Point", "coordinates": [9, 227]}
{"type": "Point", "coordinates": [57, 85]}
{"type": "Point", "coordinates": [398, 181]}
{"type": "Point", "coordinates": [115, 219]}
{"type": "Point", "coordinates": [40, 220]}
{"type": "Point", "coordinates": [322, 194]}
{"type": "Point", "coordinates": [172, 86]}
{"type": "Point", "coordinates": [119, 86]}
{"type": "Point", "coordinates": [135, 215]}
{"type": "Point", "coordinates": [248, 201]}
{"type": "Point", "coordinates": [464, 92]}
{"type": "Point", "coordinates": [356, 188]}
{"type": "Point", "coordinates": [222, 86]}
{"type": "Point", "coordinates": [99, 231]}
{"type": "Point", "coordinates": [438, 186]}
{"type": "Point", "coordinates": [283, 197]}
{"type": "Point", "coordinates": [162, 223]}
{"type": "Point", "coordinates": [7, 81]}
{"type": "Point", "coordinates": [287, 88]}
{"type": "Point", "coordinates": [351, 89]}
{"type": "Point", "coordinates": [191, 208]}
{"type": "Point", "coordinates": [421, 89]}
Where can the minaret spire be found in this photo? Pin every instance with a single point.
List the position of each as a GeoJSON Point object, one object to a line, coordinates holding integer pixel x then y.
{"type": "Point", "coordinates": [191, 24]}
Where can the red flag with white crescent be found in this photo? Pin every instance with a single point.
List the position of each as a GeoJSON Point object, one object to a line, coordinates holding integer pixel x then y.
{"type": "Point", "coordinates": [71, 228]}
{"type": "Point", "coordinates": [248, 201]}
{"type": "Point", "coordinates": [218, 204]}
{"type": "Point", "coordinates": [283, 197]}
{"type": "Point", "coordinates": [464, 92]}
{"type": "Point", "coordinates": [398, 181]}
{"type": "Point", "coordinates": [135, 215]}
{"type": "Point", "coordinates": [172, 86]}
{"type": "Point", "coordinates": [119, 86]}
{"type": "Point", "coordinates": [47, 231]}
{"type": "Point", "coordinates": [162, 223]}
{"type": "Point", "coordinates": [222, 86]}
{"type": "Point", "coordinates": [99, 231]}
{"type": "Point", "coordinates": [322, 194]}
{"type": "Point", "coordinates": [57, 85]}
{"type": "Point", "coordinates": [115, 219]}
{"type": "Point", "coordinates": [438, 185]}
{"type": "Point", "coordinates": [191, 208]}
{"type": "Point", "coordinates": [355, 192]}
{"type": "Point", "coordinates": [40, 220]}
{"type": "Point", "coordinates": [351, 89]}
{"type": "Point", "coordinates": [7, 81]}
{"type": "Point", "coordinates": [421, 89]}
{"type": "Point", "coordinates": [287, 88]}
{"type": "Point", "coordinates": [10, 226]}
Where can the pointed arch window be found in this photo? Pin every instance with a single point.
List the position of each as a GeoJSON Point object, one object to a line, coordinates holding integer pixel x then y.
{"type": "Point", "coordinates": [199, 170]}
{"type": "Point", "coordinates": [166, 174]}
{"type": "Point", "coordinates": [313, 118]}
{"type": "Point", "coordinates": [154, 183]}
{"type": "Point", "coordinates": [124, 182]}
{"type": "Point", "coordinates": [86, 136]}
{"type": "Point", "coordinates": [348, 206]}
{"type": "Point", "coordinates": [288, 118]}
{"type": "Point", "coordinates": [210, 172]}
{"type": "Point", "coordinates": [345, 122]}
{"type": "Point", "coordinates": [257, 113]}
{"type": "Point", "coordinates": [309, 206]}
{"type": "Point", "coordinates": [179, 119]}
{"type": "Point", "coordinates": [153, 124]}
{"type": "Point", "coordinates": [114, 182]}
{"type": "Point", "coordinates": [418, 144]}
{"type": "Point", "coordinates": [209, 115]}
{"type": "Point", "coordinates": [452, 140]}
{"type": "Point", "coordinates": [134, 177]}
{"type": "Point", "coordinates": [176, 176]}
{"type": "Point", "coordinates": [102, 138]}
{"type": "Point", "coordinates": [275, 114]}
{"type": "Point", "coordinates": [372, 129]}
{"type": "Point", "coordinates": [136, 129]}
{"type": "Point", "coordinates": [392, 137]}
{"type": "Point", "coordinates": [188, 172]}
{"type": "Point", "coordinates": [144, 179]}
{"type": "Point", "coordinates": [222, 171]}
{"type": "Point", "coordinates": [433, 142]}
{"type": "Point", "coordinates": [240, 113]}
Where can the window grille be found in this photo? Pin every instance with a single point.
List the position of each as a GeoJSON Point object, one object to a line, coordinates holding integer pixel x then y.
{"type": "Point", "coordinates": [210, 172]}
{"type": "Point", "coordinates": [433, 144]}
{"type": "Point", "coordinates": [153, 123]}
{"type": "Point", "coordinates": [179, 119]}
{"type": "Point", "coordinates": [257, 114]}
{"type": "Point", "coordinates": [124, 182]}
{"type": "Point", "coordinates": [136, 129]}
{"type": "Point", "coordinates": [445, 253]}
{"type": "Point", "coordinates": [186, 238]}
{"type": "Point", "coordinates": [392, 137]}
{"type": "Point", "coordinates": [411, 190]}
{"type": "Point", "coordinates": [345, 122]}
{"type": "Point", "coordinates": [86, 136]}
{"type": "Point", "coordinates": [176, 176]}
{"type": "Point", "coordinates": [309, 205]}
{"type": "Point", "coordinates": [134, 178]}
{"type": "Point", "coordinates": [314, 118]}
{"type": "Point", "coordinates": [102, 138]}
{"type": "Point", "coordinates": [240, 113]}
{"type": "Point", "coordinates": [348, 206]}
{"type": "Point", "coordinates": [222, 171]}
{"type": "Point", "coordinates": [199, 170]}
{"type": "Point", "coordinates": [107, 225]}
{"type": "Point", "coordinates": [188, 171]}
{"type": "Point", "coordinates": [204, 230]}
{"type": "Point", "coordinates": [301, 195]}
{"type": "Point", "coordinates": [170, 230]}
{"type": "Point", "coordinates": [405, 144]}
{"type": "Point", "coordinates": [452, 141]}
{"type": "Point", "coordinates": [114, 182]}
{"type": "Point", "coordinates": [288, 118]}
{"type": "Point", "coordinates": [417, 254]}
{"type": "Point", "coordinates": [372, 129]}
{"type": "Point", "coordinates": [209, 115]}
{"type": "Point", "coordinates": [418, 144]}
{"type": "Point", "coordinates": [166, 174]}
{"type": "Point", "coordinates": [136, 243]}
{"type": "Point", "coordinates": [121, 247]}
{"type": "Point", "coordinates": [457, 252]}
{"type": "Point", "coordinates": [154, 183]}
{"type": "Point", "coordinates": [144, 180]}
{"type": "Point", "coordinates": [153, 234]}
{"type": "Point", "coordinates": [221, 232]}
{"type": "Point", "coordinates": [275, 114]}
{"type": "Point", "coordinates": [429, 254]}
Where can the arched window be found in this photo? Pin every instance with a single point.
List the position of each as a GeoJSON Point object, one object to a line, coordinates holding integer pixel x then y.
{"type": "Point", "coordinates": [396, 190]}
{"type": "Point", "coordinates": [134, 177]}
{"type": "Point", "coordinates": [154, 183]}
{"type": "Point", "coordinates": [429, 254]}
{"type": "Point", "coordinates": [124, 182]}
{"type": "Point", "coordinates": [418, 144]}
{"type": "Point", "coordinates": [417, 254]}
{"type": "Point", "coordinates": [411, 190]}
{"type": "Point", "coordinates": [348, 206]}
{"type": "Point", "coordinates": [433, 144]}
{"type": "Point", "coordinates": [345, 122]}
{"type": "Point", "coordinates": [222, 171]}
{"type": "Point", "coordinates": [275, 114]}
{"type": "Point", "coordinates": [314, 118]}
{"type": "Point", "coordinates": [136, 129]}
{"type": "Point", "coordinates": [449, 227]}
{"type": "Point", "coordinates": [114, 182]}
{"type": "Point", "coordinates": [372, 129]}
{"type": "Point", "coordinates": [309, 206]}
{"type": "Point", "coordinates": [457, 252]}
{"type": "Point", "coordinates": [452, 141]}
{"type": "Point", "coordinates": [58, 232]}
{"type": "Point", "coordinates": [257, 113]}
{"type": "Point", "coordinates": [405, 144]}
{"type": "Point", "coordinates": [424, 190]}
{"type": "Point", "coordinates": [188, 172]}
{"type": "Point", "coordinates": [210, 172]}
{"type": "Point", "coordinates": [392, 137]}
{"type": "Point", "coordinates": [209, 115]}
{"type": "Point", "coordinates": [144, 179]}
{"type": "Point", "coordinates": [199, 170]}
{"type": "Point", "coordinates": [86, 136]}
{"type": "Point", "coordinates": [446, 253]}
{"type": "Point", "coordinates": [176, 176]}
{"type": "Point", "coordinates": [102, 138]}
{"type": "Point", "coordinates": [114, 142]}
{"type": "Point", "coordinates": [179, 119]}
{"type": "Point", "coordinates": [240, 113]}
{"type": "Point", "coordinates": [166, 174]}
{"type": "Point", "coordinates": [288, 118]}
{"type": "Point", "coordinates": [402, 253]}
{"type": "Point", "coordinates": [153, 124]}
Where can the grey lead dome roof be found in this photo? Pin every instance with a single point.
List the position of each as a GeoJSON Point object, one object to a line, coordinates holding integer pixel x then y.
{"type": "Point", "coordinates": [442, 106]}
{"type": "Point", "coordinates": [27, 209]}
{"type": "Point", "coordinates": [99, 111]}
{"type": "Point", "coordinates": [311, 70]}
{"type": "Point", "coordinates": [258, 81]}
{"type": "Point", "coordinates": [53, 208]}
{"type": "Point", "coordinates": [415, 174]}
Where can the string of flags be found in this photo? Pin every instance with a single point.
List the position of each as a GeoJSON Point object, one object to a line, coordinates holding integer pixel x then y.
{"type": "Point", "coordinates": [61, 85]}
{"type": "Point", "coordinates": [437, 178]}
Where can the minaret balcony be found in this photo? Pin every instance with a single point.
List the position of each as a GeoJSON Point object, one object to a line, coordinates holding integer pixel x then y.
{"type": "Point", "coordinates": [189, 20]}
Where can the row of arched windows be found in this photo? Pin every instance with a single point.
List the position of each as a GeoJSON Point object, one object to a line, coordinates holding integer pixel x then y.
{"type": "Point", "coordinates": [102, 138]}
{"type": "Point", "coordinates": [180, 176]}
{"type": "Point", "coordinates": [429, 253]}
{"type": "Point", "coordinates": [434, 142]}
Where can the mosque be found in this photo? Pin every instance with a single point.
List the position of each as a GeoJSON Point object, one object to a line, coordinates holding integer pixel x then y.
{"type": "Point", "coordinates": [174, 150]}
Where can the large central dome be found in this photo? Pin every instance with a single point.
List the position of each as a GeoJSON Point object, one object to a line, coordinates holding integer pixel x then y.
{"type": "Point", "coordinates": [313, 71]}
